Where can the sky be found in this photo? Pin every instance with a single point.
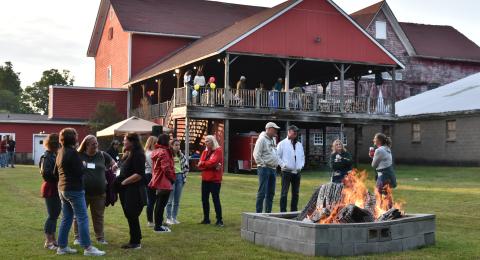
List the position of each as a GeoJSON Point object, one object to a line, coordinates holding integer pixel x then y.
{"type": "Point", "coordinates": [40, 35]}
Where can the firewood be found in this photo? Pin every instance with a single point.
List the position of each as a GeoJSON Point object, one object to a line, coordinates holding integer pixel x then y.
{"type": "Point", "coordinates": [354, 214]}
{"type": "Point", "coordinates": [391, 214]}
{"type": "Point", "coordinates": [311, 205]}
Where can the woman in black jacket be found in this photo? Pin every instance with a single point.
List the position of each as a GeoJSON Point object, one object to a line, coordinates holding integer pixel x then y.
{"type": "Point", "coordinates": [49, 189]}
{"type": "Point", "coordinates": [131, 188]}
{"type": "Point", "coordinates": [340, 161]}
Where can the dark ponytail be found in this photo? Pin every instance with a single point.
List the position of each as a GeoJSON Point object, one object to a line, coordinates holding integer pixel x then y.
{"type": "Point", "coordinates": [385, 140]}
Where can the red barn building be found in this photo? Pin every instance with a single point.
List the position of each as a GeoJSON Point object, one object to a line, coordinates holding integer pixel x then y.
{"type": "Point", "coordinates": [68, 107]}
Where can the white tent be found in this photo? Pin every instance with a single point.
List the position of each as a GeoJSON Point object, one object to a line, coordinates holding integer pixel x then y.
{"type": "Point", "coordinates": [132, 124]}
{"type": "Point", "coordinates": [461, 95]}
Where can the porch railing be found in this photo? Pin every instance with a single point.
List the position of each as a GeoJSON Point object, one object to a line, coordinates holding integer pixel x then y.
{"type": "Point", "coordinates": [152, 111]}
{"type": "Point", "coordinates": [262, 99]}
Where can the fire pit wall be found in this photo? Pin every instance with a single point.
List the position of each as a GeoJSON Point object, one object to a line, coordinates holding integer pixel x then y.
{"type": "Point", "coordinates": [282, 232]}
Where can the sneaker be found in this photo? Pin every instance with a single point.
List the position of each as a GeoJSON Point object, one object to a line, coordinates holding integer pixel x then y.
{"type": "Point", "coordinates": [162, 229]}
{"type": "Point", "coordinates": [150, 224]}
{"type": "Point", "coordinates": [169, 221]}
{"type": "Point", "coordinates": [66, 250]}
{"type": "Point", "coordinates": [50, 246]}
{"type": "Point", "coordinates": [93, 251]}
{"type": "Point", "coordinates": [219, 223]}
{"type": "Point", "coordinates": [76, 241]}
{"type": "Point", "coordinates": [175, 221]}
{"type": "Point", "coordinates": [131, 246]}
{"type": "Point", "coordinates": [102, 241]}
{"type": "Point", "coordinates": [205, 222]}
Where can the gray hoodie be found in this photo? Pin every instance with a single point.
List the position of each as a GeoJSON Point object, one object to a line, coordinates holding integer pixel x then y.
{"type": "Point", "coordinates": [265, 152]}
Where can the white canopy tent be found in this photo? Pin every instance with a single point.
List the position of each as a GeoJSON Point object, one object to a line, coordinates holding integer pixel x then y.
{"type": "Point", "coordinates": [132, 124]}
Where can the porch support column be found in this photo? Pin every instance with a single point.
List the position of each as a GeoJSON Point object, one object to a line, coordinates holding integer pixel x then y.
{"type": "Point", "coordinates": [226, 135]}
{"type": "Point", "coordinates": [129, 101]}
{"type": "Point", "coordinates": [342, 70]}
{"type": "Point", "coordinates": [159, 95]}
{"type": "Point", "coordinates": [356, 158]}
{"type": "Point", "coordinates": [143, 90]}
{"type": "Point", "coordinates": [393, 92]}
{"type": "Point", "coordinates": [227, 83]}
{"type": "Point", "coordinates": [187, 136]}
{"type": "Point", "coordinates": [342, 126]}
{"type": "Point", "coordinates": [324, 135]}
{"type": "Point", "coordinates": [287, 85]}
{"type": "Point", "coordinates": [356, 80]}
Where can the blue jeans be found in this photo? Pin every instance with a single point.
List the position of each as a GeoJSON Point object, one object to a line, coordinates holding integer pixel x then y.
{"type": "Point", "coordinates": [3, 160]}
{"type": "Point", "coordinates": [266, 188]}
{"type": "Point", "coordinates": [174, 199]}
{"type": "Point", "coordinates": [73, 203]}
{"type": "Point", "coordinates": [11, 159]}
{"type": "Point", "coordinates": [54, 206]}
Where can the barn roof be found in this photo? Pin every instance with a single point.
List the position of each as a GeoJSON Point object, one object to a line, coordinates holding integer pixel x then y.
{"type": "Point", "coordinates": [220, 41]}
{"type": "Point", "coordinates": [177, 18]}
{"type": "Point", "coordinates": [458, 96]}
{"type": "Point", "coordinates": [428, 41]}
{"type": "Point", "coordinates": [34, 119]}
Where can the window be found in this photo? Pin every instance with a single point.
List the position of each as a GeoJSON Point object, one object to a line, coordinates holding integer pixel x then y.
{"type": "Point", "coordinates": [109, 76]}
{"type": "Point", "coordinates": [451, 130]}
{"type": "Point", "coordinates": [318, 138]}
{"type": "Point", "coordinates": [110, 33]}
{"type": "Point", "coordinates": [433, 86]}
{"type": "Point", "coordinates": [381, 30]}
{"type": "Point", "coordinates": [415, 132]}
{"type": "Point", "coordinates": [414, 91]}
{"type": "Point", "coordinates": [344, 139]}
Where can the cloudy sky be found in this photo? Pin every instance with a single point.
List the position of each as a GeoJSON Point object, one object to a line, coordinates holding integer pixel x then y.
{"type": "Point", "coordinates": [39, 35]}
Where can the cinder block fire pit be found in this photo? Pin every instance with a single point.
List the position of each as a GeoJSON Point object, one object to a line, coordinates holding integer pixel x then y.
{"type": "Point", "coordinates": [282, 231]}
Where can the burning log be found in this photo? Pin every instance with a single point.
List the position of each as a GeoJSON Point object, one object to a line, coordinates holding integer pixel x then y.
{"type": "Point", "coordinates": [391, 214]}
{"type": "Point", "coordinates": [354, 214]}
{"type": "Point", "coordinates": [311, 205]}
{"type": "Point", "coordinates": [329, 195]}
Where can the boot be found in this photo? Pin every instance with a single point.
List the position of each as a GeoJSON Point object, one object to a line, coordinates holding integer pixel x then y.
{"type": "Point", "coordinates": [50, 242]}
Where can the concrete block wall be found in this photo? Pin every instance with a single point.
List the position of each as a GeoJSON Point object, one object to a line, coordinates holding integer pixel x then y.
{"type": "Point", "coordinates": [279, 231]}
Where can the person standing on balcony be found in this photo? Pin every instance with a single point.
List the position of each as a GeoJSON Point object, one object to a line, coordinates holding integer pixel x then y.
{"type": "Point", "coordinates": [241, 84]}
{"type": "Point", "coordinates": [290, 152]}
{"type": "Point", "coordinates": [265, 155]}
{"type": "Point", "coordinates": [181, 166]}
{"type": "Point", "coordinates": [275, 94]}
{"type": "Point", "coordinates": [187, 79]}
{"type": "Point", "coordinates": [162, 179]}
{"type": "Point", "coordinates": [151, 193]}
{"type": "Point", "coordinates": [340, 161]}
{"type": "Point", "coordinates": [211, 166]}
{"type": "Point", "coordinates": [382, 162]}
{"type": "Point", "coordinates": [198, 83]}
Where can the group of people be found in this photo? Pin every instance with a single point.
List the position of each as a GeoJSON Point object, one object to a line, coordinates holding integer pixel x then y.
{"type": "Point", "coordinates": [78, 177]}
{"type": "Point", "coordinates": [289, 156]}
{"type": "Point", "coordinates": [7, 151]}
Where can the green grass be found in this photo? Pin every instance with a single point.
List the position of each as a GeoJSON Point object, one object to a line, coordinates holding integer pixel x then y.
{"type": "Point", "coordinates": [453, 194]}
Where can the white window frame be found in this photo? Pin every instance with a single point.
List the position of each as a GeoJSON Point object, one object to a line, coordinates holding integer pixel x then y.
{"type": "Point", "coordinates": [344, 140]}
{"type": "Point", "coordinates": [318, 138]}
{"type": "Point", "coordinates": [109, 76]}
{"type": "Point", "coordinates": [381, 30]}
{"type": "Point", "coordinates": [451, 134]}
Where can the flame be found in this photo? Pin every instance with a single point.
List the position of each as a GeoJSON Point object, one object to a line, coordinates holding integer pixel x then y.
{"type": "Point", "coordinates": [355, 192]}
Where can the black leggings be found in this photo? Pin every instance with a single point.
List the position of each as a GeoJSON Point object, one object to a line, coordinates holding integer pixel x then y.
{"type": "Point", "coordinates": [160, 203]}
{"type": "Point", "coordinates": [214, 188]}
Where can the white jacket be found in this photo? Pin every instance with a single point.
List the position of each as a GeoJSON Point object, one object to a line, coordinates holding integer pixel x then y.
{"type": "Point", "coordinates": [292, 159]}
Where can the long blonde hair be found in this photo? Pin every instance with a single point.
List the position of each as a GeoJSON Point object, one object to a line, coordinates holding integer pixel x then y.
{"type": "Point", "coordinates": [213, 140]}
{"type": "Point", "coordinates": [150, 144]}
{"type": "Point", "coordinates": [334, 143]}
{"type": "Point", "coordinates": [83, 146]}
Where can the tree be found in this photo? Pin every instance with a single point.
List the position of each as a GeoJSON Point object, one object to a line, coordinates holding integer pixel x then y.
{"type": "Point", "coordinates": [105, 114]}
{"type": "Point", "coordinates": [37, 94]}
{"type": "Point", "coordinates": [9, 79]}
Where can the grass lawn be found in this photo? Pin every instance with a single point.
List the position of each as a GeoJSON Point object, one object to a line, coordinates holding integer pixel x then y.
{"type": "Point", "coordinates": [453, 194]}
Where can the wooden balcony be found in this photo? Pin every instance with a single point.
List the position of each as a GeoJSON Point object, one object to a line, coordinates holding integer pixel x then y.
{"type": "Point", "coordinates": [266, 105]}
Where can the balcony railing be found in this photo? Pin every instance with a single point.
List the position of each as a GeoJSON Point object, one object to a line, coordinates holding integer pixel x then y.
{"type": "Point", "coordinates": [262, 99]}
{"type": "Point", "coordinates": [152, 111]}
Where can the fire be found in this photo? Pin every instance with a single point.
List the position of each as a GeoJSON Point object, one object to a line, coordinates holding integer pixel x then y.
{"type": "Point", "coordinates": [355, 192]}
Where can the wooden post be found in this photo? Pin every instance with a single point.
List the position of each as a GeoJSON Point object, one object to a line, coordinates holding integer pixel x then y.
{"type": "Point", "coordinates": [187, 136]}
{"type": "Point", "coordinates": [287, 84]}
{"type": "Point", "coordinates": [307, 145]}
{"type": "Point", "coordinates": [342, 88]}
{"type": "Point", "coordinates": [159, 95]}
{"type": "Point", "coordinates": [356, 159]}
{"type": "Point", "coordinates": [341, 132]}
{"type": "Point", "coordinates": [129, 101]}
{"type": "Point", "coordinates": [178, 77]}
{"type": "Point", "coordinates": [393, 91]}
{"type": "Point", "coordinates": [227, 81]}
{"type": "Point", "coordinates": [258, 92]}
{"type": "Point", "coordinates": [143, 90]}
{"type": "Point", "coordinates": [324, 134]}
{"type": "Point", "coordinates": [315, 101]}
{"type": "Point", "coordinates": [356, 81]}
{"type": "Point", "coordinates": [226, 135]}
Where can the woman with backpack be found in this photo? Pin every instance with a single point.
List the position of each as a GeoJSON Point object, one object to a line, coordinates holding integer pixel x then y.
{"type": "Point", "coordinates": [49, 189]}
{"type": "Point", "coordinates": [95, 164]}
